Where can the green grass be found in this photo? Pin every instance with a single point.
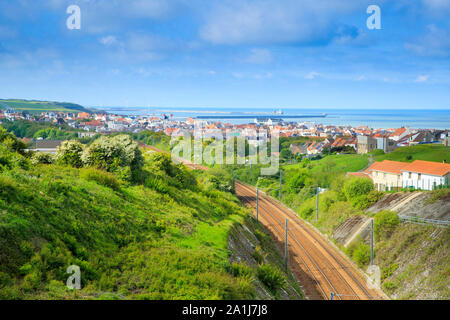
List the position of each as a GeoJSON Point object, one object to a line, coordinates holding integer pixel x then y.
{"type": "Point", "coordinates": [34, 106]}
{"type": "Point", "coordinates": [130, 242]}
{"type": "Point", "coordinates": [429, 152]}
{"type": "Point", "coordinates": [337, 163]}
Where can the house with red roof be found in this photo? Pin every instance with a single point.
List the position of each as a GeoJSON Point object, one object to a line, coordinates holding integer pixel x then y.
{"type": "Point", "coordinates": [425, 175]}
{"type": "Point", "coordinates": [394, 175]}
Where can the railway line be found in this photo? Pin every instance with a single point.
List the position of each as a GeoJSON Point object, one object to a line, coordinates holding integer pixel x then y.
{"type": "Point", "coordinates": [320, 267]}
{"type": "Point", "coordinates": [328, 270]}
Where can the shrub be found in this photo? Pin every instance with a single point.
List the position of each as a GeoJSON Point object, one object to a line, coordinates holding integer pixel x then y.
{"type": "Point", "coordinates": [361, 255]}
{"type": "Point", "coordinates": [259, 255]}
{"type": "Point", "coordinates": [10, 160]}
{"type": "Point", "coordinates": [241, 270]}
{"type": "Point", "coordinates": [102, 178]}
{"type": "Point", "coordinates": [271, 277]}
{"type": "Point", "coordinates": [157, 184]}
{"type": "Point", "coordinates": [69, 153]}
{"type": "Point", "coordinates": [10, 141]}
{"type": "Point", "coordinates": [366, 201]}
{"type": "Point", "coordinates": [384, 223]}
{"type": "Point", "coordinates": [298, 181]}
{"type": "Point", "coordinates": [355, 187]}
{"type": "Point", "coordinates": [42, 158]}
{"type": "Point", "coordinates": [113, 154]}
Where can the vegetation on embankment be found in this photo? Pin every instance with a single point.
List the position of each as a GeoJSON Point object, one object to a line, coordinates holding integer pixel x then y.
{"type": "Point", "coordinates": [413, 259]}
{"type": "Point", "coordinates": [160, 233]}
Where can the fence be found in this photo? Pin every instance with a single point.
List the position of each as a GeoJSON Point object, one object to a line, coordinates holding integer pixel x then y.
{"type": "Point", "coordinates": [418, 220]}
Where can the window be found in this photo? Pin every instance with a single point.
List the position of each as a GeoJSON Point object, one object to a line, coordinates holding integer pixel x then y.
{"type": "Point", "coordinates": [418, 176]}
{"type": "Point", "coordinates": [384, 175]}
{"type": "Point", "coordinates": [409, 175]}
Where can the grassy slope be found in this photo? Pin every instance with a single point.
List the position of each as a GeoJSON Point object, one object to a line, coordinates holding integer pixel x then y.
{"type": "Point", "coordinates": [415, 263]}
{"type": "Point", "coordinates": [135, 243]}
{"type": "Point", "coordinates": [33, 106]}
{"type": "Point", "coordinates": [339, 163]}
{"type": "Point", "coordinates": [433, 152]}
{"type": "Point", "coordinates": [421, 253]}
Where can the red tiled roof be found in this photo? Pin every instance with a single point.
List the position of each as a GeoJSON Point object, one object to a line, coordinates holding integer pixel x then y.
{"type": "Point", "coordinates": [359, 174]}
{"type": "Point", "coordinates": [428, 167]}
{"type": "Point", "coordinates": [398, 132]}
{"type": "Point", "coordinates": [387, 166]}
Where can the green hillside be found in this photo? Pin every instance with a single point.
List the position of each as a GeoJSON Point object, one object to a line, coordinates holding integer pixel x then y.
{"type": "Point", "coordinates": [426, 152]}
{"type": "Point", "coordinates": [160, 232]}
{"type": "Point", "coordinates": [35, 106]}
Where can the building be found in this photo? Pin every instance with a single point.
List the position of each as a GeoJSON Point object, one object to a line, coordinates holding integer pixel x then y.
{"type": "Point", "coordinates": [386, 144]}
{"type": "Point", "coordinates": [386, 175]}
{"type": "Point", "coordinates": [425, 175]}
{"type": "Point", "coordinates": [400, 133]}
{"type": "Point", "coordinates": [366, 144]}
{"type": "Point", "coordinates": [421, 137]}
{"type": "Point", "coordinates": [47, 146]}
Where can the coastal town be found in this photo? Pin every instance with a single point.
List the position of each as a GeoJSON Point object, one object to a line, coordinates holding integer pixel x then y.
{"type": "Point", "coordinates": [361, 139]}
{"type": "Point", "coordinates": [387, 175]}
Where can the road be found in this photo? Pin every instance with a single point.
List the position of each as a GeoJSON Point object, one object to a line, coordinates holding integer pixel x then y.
{"type": "Point", "coordinates": [319, 266]}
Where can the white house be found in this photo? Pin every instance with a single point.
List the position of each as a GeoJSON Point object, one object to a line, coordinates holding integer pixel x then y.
{"type": "Point", "coordinates": [425, 175]}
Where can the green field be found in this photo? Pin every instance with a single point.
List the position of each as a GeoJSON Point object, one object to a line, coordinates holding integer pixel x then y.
{"type": "Point", "coordinates": [337, 163]}
{"type": "Point", "coordinates": [34, 106]}
{"type": "Point", "coordinates": [426, 152]}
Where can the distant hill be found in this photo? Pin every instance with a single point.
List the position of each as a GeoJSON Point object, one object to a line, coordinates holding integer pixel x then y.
{"type": "Point", "coordinates": [36, 106]}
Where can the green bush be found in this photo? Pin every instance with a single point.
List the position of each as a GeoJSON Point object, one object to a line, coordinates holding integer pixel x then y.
{"type": "Point", "coordinates": [362, 253]}
{"type": "Point", "coordinates": [271, 277]}
{"type": "Point", "coordinates": [384, 223]}
{"type": "Point", "coordinates": [69, 153]}
{"type": "Point", "coordinates": [363, 202]}
{"type": "Point", "coordinates": [114, 154]}
{"type": "Point", "coordinates": [101, 177]}
{"type": "Point", "coordinates": [355, 188]}
{"type": "Point", "coordinates": [241, 270]}
{"type": "Point", "coordinates": [259, 255]}
{"type": "Point", "coordinates": [42, 158]}
{"type": "Point", "coordinates": [157, 184]}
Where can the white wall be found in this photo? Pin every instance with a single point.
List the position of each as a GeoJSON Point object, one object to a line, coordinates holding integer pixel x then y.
{"type": "Point", "coordinates": [426, 181]}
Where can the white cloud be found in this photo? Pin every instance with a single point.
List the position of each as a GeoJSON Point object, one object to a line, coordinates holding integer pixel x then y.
{"type": "Point", "coordinates": [109, 41]}
{"type": "Point", "coordinates": [312, 75]}
{"type": "Point", "coordinates": [436, 42]}
{"type": "Point", "coordinates": [259, 56]}
{"type": "Point", "coordinates": [273, 21]}
{"type": "Point", "coordinates": [422, 78]}
{"type": "Point", "coordinates": [437, 5]}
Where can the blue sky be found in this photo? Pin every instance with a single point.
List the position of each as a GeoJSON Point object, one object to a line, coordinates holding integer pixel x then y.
{"type": "Point", "coordinates": [228, 53]}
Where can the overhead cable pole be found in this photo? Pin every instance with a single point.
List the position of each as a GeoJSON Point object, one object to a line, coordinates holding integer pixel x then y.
{"type": "Point", "coordinates": [371, 242]}
{"type": "Point", "coordinates": [257, 203]}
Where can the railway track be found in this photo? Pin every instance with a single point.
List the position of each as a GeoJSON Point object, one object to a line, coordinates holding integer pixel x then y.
{"type": "Point", "coordinates": [330, 272]}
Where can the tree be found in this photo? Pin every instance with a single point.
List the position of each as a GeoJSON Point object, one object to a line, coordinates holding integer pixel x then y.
{"type": "Point", "coordinates": [119, 154]}
{"type": "Point", "coordinates": [69, 153]}
{"type": "Point", "coordinates": [355, 187]}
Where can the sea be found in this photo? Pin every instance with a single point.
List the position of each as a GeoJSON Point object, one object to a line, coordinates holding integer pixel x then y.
{"type": "Point", "coordinates": [380, 118]}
